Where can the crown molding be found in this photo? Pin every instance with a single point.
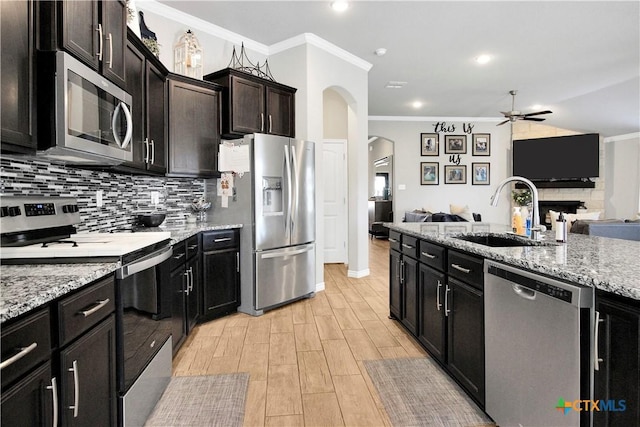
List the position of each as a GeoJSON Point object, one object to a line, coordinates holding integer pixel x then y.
{"type": "Point", "coordinates": [196, 23]}
{"type": "Point", "coordinates": [432, 119]}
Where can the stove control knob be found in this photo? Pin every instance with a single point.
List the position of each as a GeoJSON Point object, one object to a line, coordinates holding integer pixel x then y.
{"type": "Point", "coordinates": [5, 211]}
{"type": "Point", "coordinates": [14, 211]}
{"type": "Point", "coordinates": [70, 208]}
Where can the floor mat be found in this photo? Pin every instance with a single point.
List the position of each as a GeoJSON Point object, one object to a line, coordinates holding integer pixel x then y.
{"type": "Point", "coordinates": [417, 392]}
{"type": "Point", "coordinates": [212, 400]}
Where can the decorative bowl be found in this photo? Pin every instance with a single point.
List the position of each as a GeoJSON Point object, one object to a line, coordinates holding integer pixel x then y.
{"type": "Point", "coordinates": [151, 219]}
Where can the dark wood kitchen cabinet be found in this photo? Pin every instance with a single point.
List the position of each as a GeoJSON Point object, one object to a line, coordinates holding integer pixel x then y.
{"type": "Point", "coordinates": [194, 127]}
{"type": "Point", "coordinates": [254, 105]}
{"type": "Point", "coordinates": [186, 286]}
{"type": "Point", "coordinates": [146, 83]}
{"type": "Point", "coordinates": [28, 383]}
{"type": "Point", "coordinates": [617, 376]}
{"type": "Point", "coordinates": [403, 279]}
{"type": "Point", "coordinates": [220, 273]}
{"type": "Point", "coordinates": [17, 84]}
{"type": "Point", "coordinates": [432, 320]}
{"type": "Point", "coordinates": [94, 31]}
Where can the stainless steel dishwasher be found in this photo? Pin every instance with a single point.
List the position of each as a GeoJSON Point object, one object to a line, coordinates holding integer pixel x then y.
{"type": "Point", "coordinates": [538, 348]}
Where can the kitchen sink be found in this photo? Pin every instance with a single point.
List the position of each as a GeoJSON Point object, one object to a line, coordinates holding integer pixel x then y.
{"type": "Point", "coordinates": [496, 240]}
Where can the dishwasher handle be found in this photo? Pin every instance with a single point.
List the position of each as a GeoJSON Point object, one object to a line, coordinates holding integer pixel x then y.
{"type": "Point", "coordinates": [524, 292]}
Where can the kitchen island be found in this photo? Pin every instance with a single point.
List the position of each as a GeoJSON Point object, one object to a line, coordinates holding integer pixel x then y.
{"type": "Point", "coordinates": [610, 265]}
{"type": "Point", "coordinates": [26, 287]}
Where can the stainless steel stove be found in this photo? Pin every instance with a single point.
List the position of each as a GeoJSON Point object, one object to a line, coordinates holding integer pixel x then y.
{"type": "Point", "coordinates": [37, 230]}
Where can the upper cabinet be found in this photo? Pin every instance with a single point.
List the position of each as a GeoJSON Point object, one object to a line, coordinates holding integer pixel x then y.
{"type": "Point", "coordinates": [194, 127]}
{"type": "Point", "coordinates": [252, 104]}
{"type": "Point", "coordinates": [146, 83]}
{"type": "Point", "coordinates": [93, 31]}
{"type": "Point", "coordinates": [17, 82]}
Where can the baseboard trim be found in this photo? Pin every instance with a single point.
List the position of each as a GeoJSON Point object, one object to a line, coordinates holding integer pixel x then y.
{"type": "Point", "coordinates": [358, 274]}
{"type": "Point", "coordinates": [320, 287]}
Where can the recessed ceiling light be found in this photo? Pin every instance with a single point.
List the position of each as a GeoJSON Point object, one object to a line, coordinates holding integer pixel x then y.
{"type": "Point", "coordinates": [483, 59]}
{"type": "Point", "coordinates": [393, 84]}
{"type": "Point", "coordinates": [339, 6]}
{"type": "Point", "coordinates": [380, 51]}
{"type": "Point", "coordinates": [416, 104]}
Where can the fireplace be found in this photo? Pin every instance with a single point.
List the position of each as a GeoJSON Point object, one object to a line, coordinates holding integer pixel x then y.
{"type": "Point", "coordinates": [567, 206]}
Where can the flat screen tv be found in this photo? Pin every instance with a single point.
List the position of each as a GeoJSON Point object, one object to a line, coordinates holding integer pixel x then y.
{"type": "Point", "coordinates": [559, 158]}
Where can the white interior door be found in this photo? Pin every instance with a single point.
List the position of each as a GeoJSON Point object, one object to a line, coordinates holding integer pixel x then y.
{"type": "Point", "coordinates": [335, 200]}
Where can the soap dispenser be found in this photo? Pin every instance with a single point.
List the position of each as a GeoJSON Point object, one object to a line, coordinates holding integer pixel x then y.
{"type": "Point", "coordinates": [561, 229]}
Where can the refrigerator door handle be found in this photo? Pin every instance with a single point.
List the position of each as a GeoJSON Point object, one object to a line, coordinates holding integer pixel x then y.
{"type": "Point", "coordinates": [294, 204]}
{"type": "Point", "coordinates": [286, 253]}
{"type": "Point", "coordinates": [287, 166]}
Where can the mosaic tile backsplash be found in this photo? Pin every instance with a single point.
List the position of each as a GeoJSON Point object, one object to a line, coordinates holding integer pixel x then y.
{"type": "Point", "coordinates": [123, 195]}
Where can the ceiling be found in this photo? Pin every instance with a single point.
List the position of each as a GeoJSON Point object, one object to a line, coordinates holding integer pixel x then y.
{"type": "Point", "coordinates": [580, 59]}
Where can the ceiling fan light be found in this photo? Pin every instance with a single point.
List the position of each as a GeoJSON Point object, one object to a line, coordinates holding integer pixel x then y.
{"type": "Point", "coordinates": [339, 5]}
{"type": "Point", "coordinates": [483, 59]}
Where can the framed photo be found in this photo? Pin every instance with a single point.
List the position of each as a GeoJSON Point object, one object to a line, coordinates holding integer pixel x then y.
{"type": "Point", "coordinates": [429, 172]}
{"type": "Point", "coordinates": [480, 173]}
{"type": "Point", "coordinates": [481, 144]}
{"type": "Point", "coordinates": [454, 174]}
{"type": "Point", "coordinates": [455, 144]}
{"type": "Point", "coordinates": [429, 144]}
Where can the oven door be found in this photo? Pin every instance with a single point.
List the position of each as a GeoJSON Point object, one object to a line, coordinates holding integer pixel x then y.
{"type": "Point", "coordinates": [143, 316]}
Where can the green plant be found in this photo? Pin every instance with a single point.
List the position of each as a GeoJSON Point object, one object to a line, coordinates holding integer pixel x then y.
{"type": "Point", "coordinates": [521, 197]}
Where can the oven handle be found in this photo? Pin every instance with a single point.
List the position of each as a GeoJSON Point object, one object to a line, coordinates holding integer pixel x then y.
{"type": "Point", "coordinates": [142, 264]}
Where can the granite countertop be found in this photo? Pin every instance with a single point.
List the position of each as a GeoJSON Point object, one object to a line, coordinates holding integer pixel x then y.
{"type": "Point", "coordinates": [27, 287]}
{"type": "Point", "coordinates": [607, 264]}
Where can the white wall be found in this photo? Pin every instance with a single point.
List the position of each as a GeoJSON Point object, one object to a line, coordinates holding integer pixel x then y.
{"type": "Point", "coordinates": [335, 115]}
{"type": "Point", "coordinates": [436, 198]}
{"type": "Point", "coordinates": [622, 181]}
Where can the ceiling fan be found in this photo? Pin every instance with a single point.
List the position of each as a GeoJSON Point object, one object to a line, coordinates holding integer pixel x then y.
{"type": "Point", "coordinates": [514, 114]}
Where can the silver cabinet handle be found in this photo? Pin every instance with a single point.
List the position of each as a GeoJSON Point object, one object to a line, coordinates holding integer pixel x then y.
{"type": "Point", "coordinates": [460, 268]}
{"type": "Point", "coordinates": [23, 351]}
{"type": "Point", "coordinates": [191, 247]}
{"type": "Point", "coordinates": [237, 262]}
{"type": "Point", "coordinates": [404, 245]}
{"type": "Point", "coordinates": [428, 255]}
{"type": "Point", "coordinates": [438, 305]}
{"type": "Point", "coordinates": [98, 306]}
{"type": "Point", "coordinates": [110, 61]}
{"type": "Point", "coordinates": [393, 240]}
{"type": "Point", "coordinates": [596, 356]}
{"type": "Point", "coordinates": [54, 397]}
{"type": "Point", "coordinates": [186, 274]}
{"type": "Point", "coordinates": [179, 256]}
{"type": "Point", "coordinates": [76, 388]}
{"type": "Point", "coordinates": [99, 30]}
{"type": "Point", "coordinates": [261, 122]}
{"type": "Point", "coordinates": [270, 124]}
{"type": "Point", "coordinates": [153, 151]}
{"type": "Point", "coordinates": [146, 150]}
{"type": "Point", "coordinates": [190, 279]}
{"type": "Point", "coordinates": [401, 271]}
{"type": "Point", "coordinates": [225, 239]}
{"type": "Point", "coordinates": [446, 300]}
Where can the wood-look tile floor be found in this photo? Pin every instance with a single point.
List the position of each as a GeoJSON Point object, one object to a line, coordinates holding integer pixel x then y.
{"type": "Point", "coordinates": [305, 359]}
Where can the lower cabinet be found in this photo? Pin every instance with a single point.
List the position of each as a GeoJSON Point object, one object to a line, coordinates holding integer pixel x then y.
{"type": "Point", "coordinates": [409, 316]}
{"type": "Point", "coordinates": [30, 402]}
{"type": "Point", "coordinates": [220, 273]}
{"type": "Point", "coordinates": [617, 376]}
{"type": "Point", "coordinates": [395, 288]}
{"type": "Point", "coordinates": [432, 322]}
{"type": "Point", "coordinates": [186, 288]}
{"type": "Point", "coordinates": [88, 380]}
{"type": "Point", "coordinates": [178, 308]}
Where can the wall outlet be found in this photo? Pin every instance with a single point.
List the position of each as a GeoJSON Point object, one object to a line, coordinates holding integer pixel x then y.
{"type": "Point", "coordinates": [402, 187]}
{"type": "Point", "coordinates": [99, 202]}
{"type": "Point", "coordinates": [155, 197]}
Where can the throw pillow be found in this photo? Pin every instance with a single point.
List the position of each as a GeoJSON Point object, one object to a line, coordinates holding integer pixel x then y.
{"type": "Point", "coordinates": [462, 211]}
{"type": "Point", "coordinates": [572, 217]}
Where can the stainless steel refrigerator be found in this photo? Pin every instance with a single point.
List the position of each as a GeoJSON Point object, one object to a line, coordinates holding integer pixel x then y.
{"type": "Point", "coordinates": [278, 244]}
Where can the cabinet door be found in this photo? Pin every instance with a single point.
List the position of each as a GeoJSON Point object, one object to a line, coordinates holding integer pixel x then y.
{"type": "Point", "coordinates": [88, 378]}
{"type": "Point", "coordinates": [395, 288]}
{"type": "Point", "coordinates": [221, 282]}
{"type": "Point", "coordinates": [178, 307]}
{"type": "Point", "coordinates": [431, 322]}
{"type": "Point", "coordinates": [465, 351]}
{"type": "Point", "coordinates": [194, 133]}
{"type": "Point", "coordinates": [410, 294]}
{"type": "Point", "coordinates": [247, 106]}
{"type": "Point", "coordinates": [618, 376]}
{"type": "Point", "coordinates": [193, 293]}
{"type": "Point", "coordinates": [280, 112]}
{"type": "Point", "coordinates": [80, 31]}
{"type": "Point", "coordinates": [17, 87]}
{"type": "Point", "coordinates": [135, 76]}
{"type": "Point", "coordinates": [156, 119]}
{"type": "Point", "coordinates": [30, 402]}
{"type": "Point", "coordinates": [114, 26]}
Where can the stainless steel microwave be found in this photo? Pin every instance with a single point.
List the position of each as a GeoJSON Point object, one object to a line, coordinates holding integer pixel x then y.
{"type": "Point", "coordinates": [83, 118]}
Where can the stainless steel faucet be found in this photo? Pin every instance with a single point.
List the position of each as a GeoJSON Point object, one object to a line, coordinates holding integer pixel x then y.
{"type": "Point", "coordinates": [536, 227]}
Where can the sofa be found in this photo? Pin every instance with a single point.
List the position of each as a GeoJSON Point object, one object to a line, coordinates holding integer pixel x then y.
{"type": "Point", "coordinates": [613, 228]}
{"type": "Point", "coordinates": [421, 216]}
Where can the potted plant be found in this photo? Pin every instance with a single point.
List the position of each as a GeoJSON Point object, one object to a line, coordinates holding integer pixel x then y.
{"type": "Point", "coordinates": [521, 197]}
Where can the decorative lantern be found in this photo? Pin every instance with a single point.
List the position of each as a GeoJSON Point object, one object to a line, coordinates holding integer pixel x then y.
{"type": "Point", "coordinates": [187, 54]}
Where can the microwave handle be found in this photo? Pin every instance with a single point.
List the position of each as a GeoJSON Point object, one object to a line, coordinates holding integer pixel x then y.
{"type": "Point", "coordinates": [127, 115]}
